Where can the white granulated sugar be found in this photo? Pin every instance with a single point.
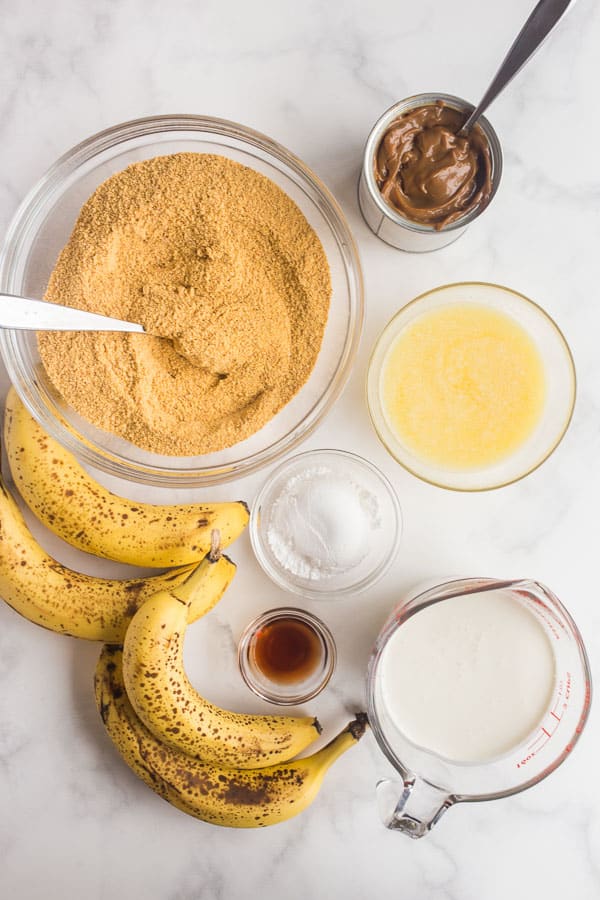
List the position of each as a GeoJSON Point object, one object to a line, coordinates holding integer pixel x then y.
{"type": "Point", "coordinates": [322, 523]}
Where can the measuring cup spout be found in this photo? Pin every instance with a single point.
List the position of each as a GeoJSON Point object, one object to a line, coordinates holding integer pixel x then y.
{"type": "Point", "coordinates": [412, 806]}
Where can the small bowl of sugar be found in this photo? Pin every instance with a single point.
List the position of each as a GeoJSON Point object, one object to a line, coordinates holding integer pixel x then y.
{"type": "Point", "coordinates": [325, 524]}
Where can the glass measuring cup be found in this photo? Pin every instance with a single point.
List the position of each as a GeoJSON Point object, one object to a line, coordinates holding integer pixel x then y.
{"type": "Point", "coordinates": [432, 784]}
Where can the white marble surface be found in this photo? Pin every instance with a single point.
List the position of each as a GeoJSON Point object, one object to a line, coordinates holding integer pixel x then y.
{"type": "Point", "coordinates": [74, 822]}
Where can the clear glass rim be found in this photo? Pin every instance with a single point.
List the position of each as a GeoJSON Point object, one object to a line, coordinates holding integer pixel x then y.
{"type": "Point", "coordinates": [277, 576]}
{"type": "Point", "coordinates": [300, 615]}
{"type": "Point", "coordinates": [113, 463]}
{"type": "Point", "coordinates": [416, 603]}
{"type": "Point", "coordinates": [561, 433]}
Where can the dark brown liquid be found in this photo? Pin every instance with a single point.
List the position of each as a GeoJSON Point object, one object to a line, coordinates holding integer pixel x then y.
{"type": "Point", "coordinates": [287, 650]}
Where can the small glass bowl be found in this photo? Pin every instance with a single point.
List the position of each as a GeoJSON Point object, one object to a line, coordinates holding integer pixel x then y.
{"type": "Point", "coordinates": [386, 525]}
{"type": "Point", "coordinates": [294, 692]}
{"type": "Point", "coordinates": [41, 227]}
{"type": "Point", "coordinates": [560, 387]}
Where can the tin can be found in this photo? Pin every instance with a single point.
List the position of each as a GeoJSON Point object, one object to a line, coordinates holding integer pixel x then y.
{"type": "Point", "coordinates": [386, 222]}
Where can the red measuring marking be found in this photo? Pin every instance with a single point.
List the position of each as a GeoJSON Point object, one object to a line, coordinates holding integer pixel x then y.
{"type": "Point", "coordinates": [546, 732]}
{"type": "Point", "coordinates": [555, 716]}
{"type": "Point", "coordinates": [539, 738]}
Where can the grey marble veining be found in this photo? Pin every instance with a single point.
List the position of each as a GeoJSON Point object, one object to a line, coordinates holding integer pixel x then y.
{"type": "Point", "coordinates": [75, 823]}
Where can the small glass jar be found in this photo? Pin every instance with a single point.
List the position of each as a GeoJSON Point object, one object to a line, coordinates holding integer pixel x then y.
{"type": "Point", "coordinates": [286, 656]}
{"type": "Point", "coordinates": [276, 502]}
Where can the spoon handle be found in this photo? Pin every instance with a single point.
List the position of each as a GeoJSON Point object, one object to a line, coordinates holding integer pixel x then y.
{"type": "Point", "coordinates": [38, 315]}
{"type": "Point", "coordinates": [544, 18]}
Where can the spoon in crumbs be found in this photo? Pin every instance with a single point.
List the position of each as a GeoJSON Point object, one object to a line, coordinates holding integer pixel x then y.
{"type": "Point", "coordinates": [38, 315]}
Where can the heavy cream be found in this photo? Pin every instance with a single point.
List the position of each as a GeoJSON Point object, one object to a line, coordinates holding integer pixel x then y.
{"type": "Point", "coordinates": [469, 677]}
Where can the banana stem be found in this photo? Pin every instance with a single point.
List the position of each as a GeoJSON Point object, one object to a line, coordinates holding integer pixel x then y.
{"type": "Point", "coordinates": [186, 592]}
{"type": "Point", "coordinates": [352, 733]}
{"type": "Point", "coordinates": [215, 551]}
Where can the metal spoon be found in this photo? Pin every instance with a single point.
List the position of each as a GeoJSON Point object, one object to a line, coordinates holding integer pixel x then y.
{"type": "Point", "coordinates": [37, 315]}
{"type": "Point", "coordinates": [542, 21]}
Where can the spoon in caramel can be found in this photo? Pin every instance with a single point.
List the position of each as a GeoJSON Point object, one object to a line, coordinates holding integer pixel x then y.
{"type": "Point", "coordinates": [433, 162]}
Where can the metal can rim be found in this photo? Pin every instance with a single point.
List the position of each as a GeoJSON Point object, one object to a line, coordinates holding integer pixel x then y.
{"type": "Point", "coordinates": [393, 112]}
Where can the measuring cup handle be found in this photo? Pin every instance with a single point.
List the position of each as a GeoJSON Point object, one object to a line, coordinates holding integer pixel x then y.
{"type": "Point", "coordinates": [416, 810]}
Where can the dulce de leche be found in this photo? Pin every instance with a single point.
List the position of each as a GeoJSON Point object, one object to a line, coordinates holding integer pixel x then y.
{"type": "Point", "coordinates": [427, 172]}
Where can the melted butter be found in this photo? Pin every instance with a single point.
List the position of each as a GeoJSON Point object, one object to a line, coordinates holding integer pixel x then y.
{"type": "Point", "coordinates": [463, 386]}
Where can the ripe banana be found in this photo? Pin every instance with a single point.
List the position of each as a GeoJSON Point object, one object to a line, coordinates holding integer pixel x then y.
{"type": "Point", "coordinates": [168, 705]}
{"type": "Point", "coordinates": [97, 609]}
{"type": "Point", "coordinates": [75, 507]}
{"type": "Point", "coordinates": [237, 798]}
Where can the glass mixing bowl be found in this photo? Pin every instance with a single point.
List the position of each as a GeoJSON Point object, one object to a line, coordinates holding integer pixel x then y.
{"type": "Point", "coordinates": [559, 372]}
{"type": "Point", "coordinates": [42, 226]}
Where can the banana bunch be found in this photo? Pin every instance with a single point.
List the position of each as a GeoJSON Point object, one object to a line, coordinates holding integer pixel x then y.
{"type": "Point", "coordinates": [220, 766]}
{"type": "Point", "coordinates": [74, 506]}
{"type": "Point", "coordinates": [234, 797]}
